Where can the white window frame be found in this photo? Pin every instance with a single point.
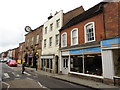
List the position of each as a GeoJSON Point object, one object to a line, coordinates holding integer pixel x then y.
{"type": "Point", "coordinates": [46, 30]}
{"type": "Point", "coordinates": [21, 48]}
{"type": "Point", "coordinates": [58, 23]}
{"type": "Point", "coordinates": [50, 42]}
{"type": "Point", "coordinates": [37, 38]}
{"type": "Point", "coordinates": [62, 39]}
{"type": "Point", "coordinates": [45, 43]}
{"type": "Point", "coordinates": [32, 40]}
{"type": "Point", "coordinates": [72, 37]}
{"type": "Point", "coordinates": [57, 39]}
{"type": "Point", "coordinates": [27, 42]}
{"type": "Point", "coordinates": [85, 36]}
{"type": "Point", "coordinates": [51, 26]}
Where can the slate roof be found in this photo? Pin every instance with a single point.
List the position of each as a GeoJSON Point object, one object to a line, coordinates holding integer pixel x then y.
{"type": "Point", "coordinates": [85, 15]}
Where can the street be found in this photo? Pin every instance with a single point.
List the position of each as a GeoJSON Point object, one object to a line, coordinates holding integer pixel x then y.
{"type": "Point", "coordinates": [12, 78]}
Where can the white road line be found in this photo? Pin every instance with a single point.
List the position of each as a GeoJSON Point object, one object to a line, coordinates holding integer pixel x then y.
{"type": "Point", "coordinates": [13, 73]}
{"type": "Point", "coordinates": [41, 85]}
{"type": "Point", "coordinates": [17, 75]}
{"type": "Point", "coordinates": [38, 83]}
{"type": "Point", "coordinates": [7, 85]}
{"type": "Point", "coordinates": [27, 73]}
{"type": "Point", "coordinates": [6, 75]}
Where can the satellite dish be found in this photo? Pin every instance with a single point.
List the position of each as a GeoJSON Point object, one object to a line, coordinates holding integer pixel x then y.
{"type": "Point", "coordinates": [28, 29]}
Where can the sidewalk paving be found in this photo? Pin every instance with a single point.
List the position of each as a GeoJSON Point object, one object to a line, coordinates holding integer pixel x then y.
{"type": "Point", "coordinates": [75, 80]}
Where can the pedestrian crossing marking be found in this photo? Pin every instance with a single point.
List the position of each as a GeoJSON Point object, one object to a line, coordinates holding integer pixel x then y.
{"type": "Point", "coordinates": [6, 75]}
{"type": "Point", "coordinates": [17, 75]}
{"type": "Point", "coordinates": [27, 73]}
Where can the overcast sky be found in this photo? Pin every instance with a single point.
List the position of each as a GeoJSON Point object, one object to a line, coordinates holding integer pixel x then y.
{"type": "Point", "coordinates": [16, 14]}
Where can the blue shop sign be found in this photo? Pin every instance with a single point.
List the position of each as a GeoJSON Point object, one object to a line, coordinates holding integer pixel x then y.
{"type": "Point", "coordinates": [95, 49]}
{"type": "Point", "coordinates": [111, 41]}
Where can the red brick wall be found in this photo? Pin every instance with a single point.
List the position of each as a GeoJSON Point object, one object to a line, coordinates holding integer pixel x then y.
{"type": "Point", "coordinates": [29, 36]}
{"type": "Point", "coordinates": [112, 18]}
{"type": "Point", "coordinates": [99, 29]}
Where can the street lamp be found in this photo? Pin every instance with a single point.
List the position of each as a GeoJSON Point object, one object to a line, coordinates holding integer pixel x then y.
{"type": "Point", "coordinates": [28, 29]}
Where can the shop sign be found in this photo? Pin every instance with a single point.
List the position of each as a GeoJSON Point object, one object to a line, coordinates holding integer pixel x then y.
{"type": "Point", "coordinates": [111, 42]}
{"type": "Point", "coordinates": [30, 55]}
{"type": "Point", "coordinates": [95, 49]}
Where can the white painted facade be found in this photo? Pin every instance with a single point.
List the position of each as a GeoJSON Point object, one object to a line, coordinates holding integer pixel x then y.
{"type": "Point", "coordinates": [107, 63]}
{"type": "Point", "coordinates": [50, 52]}
{"type": "Point", "coordinates": [54, 48]}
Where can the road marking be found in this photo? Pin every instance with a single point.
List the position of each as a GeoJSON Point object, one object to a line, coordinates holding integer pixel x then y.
{"type": "Point", "coordinates": [17, 78]}
{"type": "Point", "coordinates": [17, 75]}
{"type": "Point", "coordinates": [7, 85]}
{"type": "Point", "coordinates": [41, 85]}
{"type": "Point", "coordinates": [38, 83]}
{"type": "Point", "coordinates": [13, 73]}
{"type": "Point", "coordinates": [27, 73]}
{"type": "Point", "coordinates": [6, 75]}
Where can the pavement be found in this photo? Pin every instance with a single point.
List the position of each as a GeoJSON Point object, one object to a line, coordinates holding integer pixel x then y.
{"type": "Point", "coordinates": [75, 80]}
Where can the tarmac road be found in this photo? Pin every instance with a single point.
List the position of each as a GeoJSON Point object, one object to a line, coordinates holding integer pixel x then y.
{"type": "Point", "coordinates": [13, 77]}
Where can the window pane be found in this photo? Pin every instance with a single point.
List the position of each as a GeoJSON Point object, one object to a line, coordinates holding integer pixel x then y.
{"type": "Point", "coordinates": [76, 64]}
{"type": "Point", "coordinates": [89, 32]}
{"type": "Point", "coordinates": [93, 64]}
{"type": "Point", "coordinates": [64, 40]}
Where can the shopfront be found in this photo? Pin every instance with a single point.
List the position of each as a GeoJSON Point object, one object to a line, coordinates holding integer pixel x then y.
{"type": "Point", "coordinates": [47, 63]}
{"type": "Point", "coordinates": [111, 57]}
{"type": "Point", "coordinates": [86, 61]}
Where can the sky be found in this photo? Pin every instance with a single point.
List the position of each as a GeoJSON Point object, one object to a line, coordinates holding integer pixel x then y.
{"type": "Point", "coordinates": [16, 14]}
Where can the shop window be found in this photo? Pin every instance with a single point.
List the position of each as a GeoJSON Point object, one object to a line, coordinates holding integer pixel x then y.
{"type": "Point", "coordinates": [116, 59]}
{"type": "Point", "coordinates": [76, 64]}
{"type": "Point", "coordinates": [87, 64]}
{"type": "Point", "coordinates": [47, 63]}
{"type": "Point", "coordinates": [42, 63]}
{"type": "Point", "coordinates": [51, 64]}
{"type": "Point", "coordinates": [93, 64]}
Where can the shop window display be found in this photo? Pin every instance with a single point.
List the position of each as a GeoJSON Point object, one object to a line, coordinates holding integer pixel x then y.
{"type": "Point", "coordinates": [116, 59]}
{"type": "Point", "coordinates": [76, 64]}
{"type": "Point", "coordinates": [93, 64]}
{"type": "Point", "coordinates": [87, 64]}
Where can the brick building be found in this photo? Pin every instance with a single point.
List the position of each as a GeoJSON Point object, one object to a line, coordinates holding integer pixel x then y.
{"type": "Point", "coordinates": [15, 53]}
{"type": "Point", "coordinates": [33, 45]}
{"type": "Point", "coordinates": [90, 43]}
{"type": "Point", "coordinates": [21, 52]}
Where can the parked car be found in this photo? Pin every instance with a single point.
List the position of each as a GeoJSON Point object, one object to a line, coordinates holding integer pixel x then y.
{"type": "Point", "coordinates": [8, 60]}
{"type": "Point", "coordinates": [12, 63]}
{"type": "Point", "coordinates": [4, 60]}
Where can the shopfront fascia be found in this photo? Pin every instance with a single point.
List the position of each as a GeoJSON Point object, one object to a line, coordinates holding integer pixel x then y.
{"type": "Point", "coordinates": [111, 57]}
{"type": "Point", "coordinates": [87, 62]}
{"type": "Point", "coordinates": [47, 62]}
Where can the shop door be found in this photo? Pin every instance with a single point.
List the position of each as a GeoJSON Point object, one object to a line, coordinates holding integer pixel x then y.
{"type": "Point", "coordinates": [65, 66]}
